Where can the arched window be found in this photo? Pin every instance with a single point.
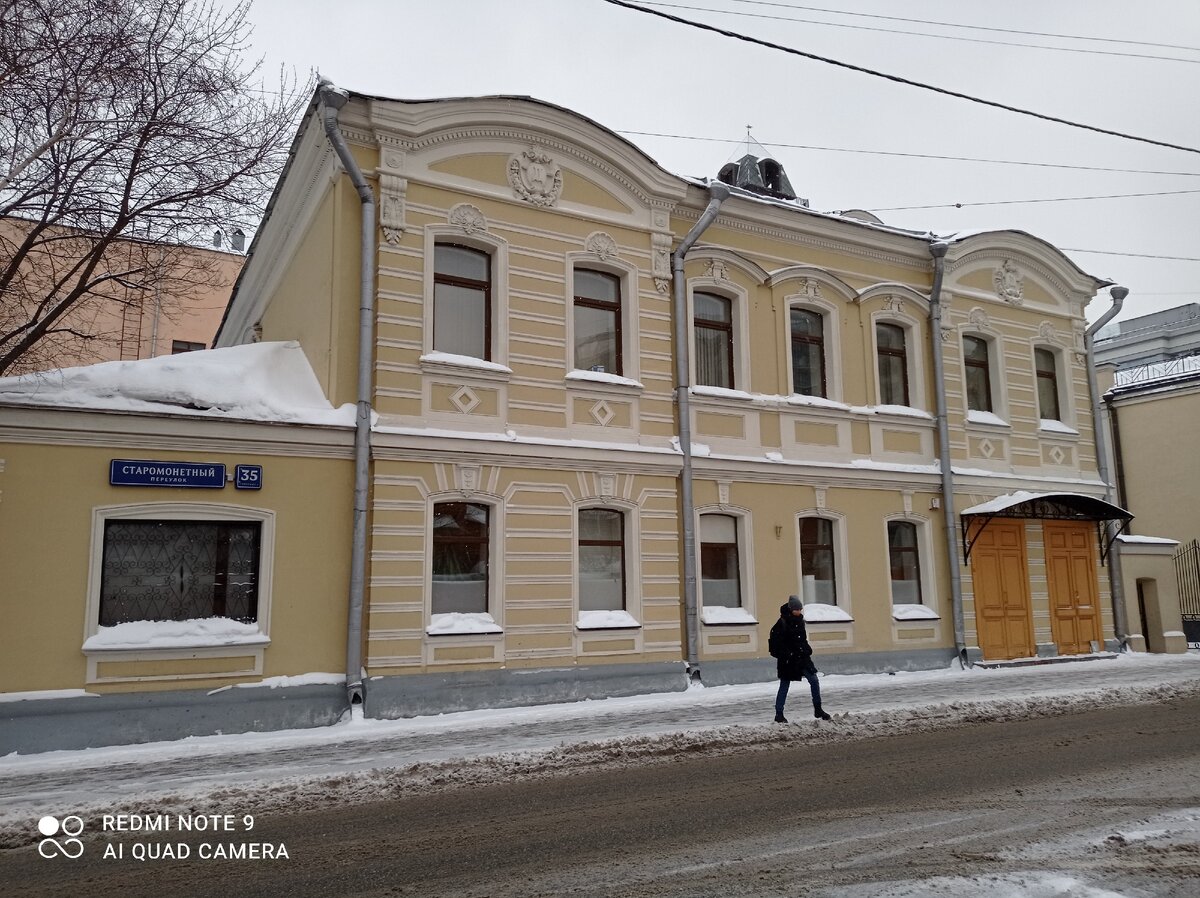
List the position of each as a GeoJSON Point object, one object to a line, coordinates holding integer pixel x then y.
{"type": "Point", "coordinates": [462, 301]}
{"type": "Point", "coordinates": [892, 352]}
{"type": "Point", "coordinates": [979, 375]}
{"type": "Point", "coordinates": [601, 560]}
{"type": "Point", "coordinates": [720, 567]}
{"type": "Point", "coordinates": [597, 321]}
{"type": "Point", "coordinates": [818, 560]}
{"type": "Point", "coordinates": [461, 537]}
{"type": "Point", "coordinates": [904, 560]}
{"type": "Point", "coordinates": [808, 352]}
{"type": "Point", "coordinates": [1047, 384]}
{"type": "Point", "coordinates": [712, 318]}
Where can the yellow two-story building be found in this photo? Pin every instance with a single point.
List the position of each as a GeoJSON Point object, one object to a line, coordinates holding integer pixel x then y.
{"type": "Point", "coordinates": [609, 419]}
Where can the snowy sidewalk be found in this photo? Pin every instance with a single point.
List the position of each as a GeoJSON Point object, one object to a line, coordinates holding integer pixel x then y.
{"type": "Point", "coordinates": [54, 781]}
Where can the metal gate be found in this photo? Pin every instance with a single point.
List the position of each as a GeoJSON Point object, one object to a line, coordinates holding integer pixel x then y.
{"type": "Point", "coordinates": [1187, 568]}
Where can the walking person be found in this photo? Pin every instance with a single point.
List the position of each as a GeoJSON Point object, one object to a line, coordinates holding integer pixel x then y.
{"type": "Point", "coordinates": [788, 643]}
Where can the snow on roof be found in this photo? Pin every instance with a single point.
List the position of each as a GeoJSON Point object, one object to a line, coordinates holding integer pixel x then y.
{"type": "Point", "coordinates": [259, 381]}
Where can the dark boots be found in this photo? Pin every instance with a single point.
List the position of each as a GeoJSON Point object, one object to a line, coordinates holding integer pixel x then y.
{"type": "Point", "coordinates": [820, 714]}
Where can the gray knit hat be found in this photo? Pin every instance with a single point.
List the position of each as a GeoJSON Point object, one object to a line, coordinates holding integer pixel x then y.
{"type": "Point", "coordinates": [794, 603]}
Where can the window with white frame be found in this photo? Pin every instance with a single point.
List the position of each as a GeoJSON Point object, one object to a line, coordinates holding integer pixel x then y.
{"type": "Point", "coordinates": [1046, 365]}
{"type": "Point", "coordinates": [808, 351]}
{"type": "Point", "coordinates": [462, 301]}
{"type": "Point", "coordinates": [179, 570]}
{"type": "Point", "coordinates": [977, 362]}
{"type": "Point", "coordinates": [818, 557]}
{"type": "Point", "coordinates": [904, 562]}
{"type": "Point", "coordinates": [891, 347]}
{"type": "Point", "coordinates": [720, 564]}
{"type": "Point", "coordinates": [460, 562]}
{"type": "Point", "coordinates": [712, 325]}
{"type": "Point", "coordinates": [597, 321]}
{"type": "Point", "coordinates": [601, 559]}
{"type": "Point", "coordinates": [159, 564]}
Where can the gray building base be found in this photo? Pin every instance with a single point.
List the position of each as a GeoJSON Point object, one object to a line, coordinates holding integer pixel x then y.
{"type": "Point", "coordinates": [417, 694]}
{"type": "Point", "coordinates": [41, 725]}
{"type": "Point", "coordinates": [757, 670]}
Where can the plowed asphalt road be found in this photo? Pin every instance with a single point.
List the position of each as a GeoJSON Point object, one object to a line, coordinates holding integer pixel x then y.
{"type": "Point", "coordinates": [1088, 799]}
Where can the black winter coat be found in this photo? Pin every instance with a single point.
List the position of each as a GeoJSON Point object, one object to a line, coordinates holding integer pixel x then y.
{"type": "Point", "coordinates": [788, 643]}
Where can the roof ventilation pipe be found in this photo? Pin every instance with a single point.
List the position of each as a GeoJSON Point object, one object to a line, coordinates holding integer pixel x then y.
{"type": "Point", "coordinates": [333, 99]}
{"type": "Point", "coordinates": [718, 193]}
{"type": "Point", "coordinates": [1115, 582]}
{"type": "Point", "coordinates": [938, 251]}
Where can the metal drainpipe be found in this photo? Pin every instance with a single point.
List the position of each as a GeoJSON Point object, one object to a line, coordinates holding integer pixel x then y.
{"type": "Point", "coordinates": [718, 193]}
{"type": "Point", "coordinates": [938, 251]}
{"type": "Point", "coordinates": [333, 99]}
{"type": "Point", "coordinates": [1115, 583]}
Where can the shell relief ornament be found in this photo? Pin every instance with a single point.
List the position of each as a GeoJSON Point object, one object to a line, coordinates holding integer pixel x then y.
{"type": "Point", "coordinates": [535, 177]}
{"type": "Point", "coordinates": [1010, 286]}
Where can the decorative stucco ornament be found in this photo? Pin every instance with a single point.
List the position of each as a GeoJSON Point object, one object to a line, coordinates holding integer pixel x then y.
{"type": "Point", "coordinates": [1010, 286]}
{"type": "Point", "coordinates": [717, 270]}
{"type": "Point", "coordinates": [391, 207]}
{"type": "Point", "coordinates": [469, 218]}
{"type": "Point", "coordinates": [602, 244]}
{"type": "Point", "coordinates": [535, 177]}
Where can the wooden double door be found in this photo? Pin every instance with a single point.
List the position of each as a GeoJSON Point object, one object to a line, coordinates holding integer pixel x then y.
{"type": "Point", "coordinates": [1073, 585]}
{"type": "Point", "coordinates": [1000, 573]}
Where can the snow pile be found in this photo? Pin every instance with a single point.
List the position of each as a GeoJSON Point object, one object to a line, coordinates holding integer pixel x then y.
{"type": "Point", "coordinates": [605, 620]}
{"type": "Point", "coordinates": [175, 634]}
{"type": "Point", "coordinates": [454, 622]}
{"type": "Point", "coordinates": [259, 381]}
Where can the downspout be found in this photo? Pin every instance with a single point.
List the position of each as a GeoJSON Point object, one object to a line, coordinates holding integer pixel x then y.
{"type": "Point", "coordinates": [1115, 583]}
{"type": "Point", "coordinates": [938, 251]}
{"type": "Point", "coordinates": [333, 99]}
{"type": "Point", "coordinates": [718, 193]}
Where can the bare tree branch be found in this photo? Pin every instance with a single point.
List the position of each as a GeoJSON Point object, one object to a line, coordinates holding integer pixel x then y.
{"type": "Point", "coordinates": [127, 128]}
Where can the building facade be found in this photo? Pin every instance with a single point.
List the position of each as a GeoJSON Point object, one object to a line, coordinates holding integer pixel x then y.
{"type": "Point", "coordinates": [149, 299]}
{"type": "Point", "coordinates": [1149, 367]}
{"type": "Point", "coordinates": [609, 419]}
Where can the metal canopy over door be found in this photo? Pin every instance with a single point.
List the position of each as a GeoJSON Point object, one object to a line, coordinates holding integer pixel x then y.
{"type": "Point", "coordinates": [1003, 617]}
{"type": "Point", "coordinates": [1074, 591]}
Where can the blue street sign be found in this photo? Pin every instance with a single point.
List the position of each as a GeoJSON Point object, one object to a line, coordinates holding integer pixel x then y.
{"type": "Point", "coordinates": [248, 477]}
{"type": "Point", "coordinates": [130, 472]}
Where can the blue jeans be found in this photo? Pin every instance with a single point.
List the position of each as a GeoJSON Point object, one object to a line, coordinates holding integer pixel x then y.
{"type": "Point", "coordinates": [813, 684]}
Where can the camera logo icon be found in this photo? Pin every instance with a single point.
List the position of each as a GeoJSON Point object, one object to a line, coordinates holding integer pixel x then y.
{"type": "Point", "coordinates": [68, 846]}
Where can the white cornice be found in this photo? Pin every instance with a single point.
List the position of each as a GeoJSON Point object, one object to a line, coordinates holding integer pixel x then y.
{"type": "Point", "coordinates": [819, 232]}
{"type": "Point", "coordinates": [417, 126]}
{"type": "Point", "coordinates": [148, 432]}
{"type": "Point", "coordinates": [1035, 255]}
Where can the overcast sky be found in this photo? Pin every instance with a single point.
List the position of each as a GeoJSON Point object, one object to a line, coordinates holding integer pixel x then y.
{"type": "Point", "coordinates": [643, 76]}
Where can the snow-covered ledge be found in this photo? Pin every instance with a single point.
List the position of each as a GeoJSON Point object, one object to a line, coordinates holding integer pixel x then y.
{"type": "Point", "coordinates": [1050, 425]}
{"type": "Point", "coordinates": [820, 613]}
{"type": "Point", "coordinates": [591, 379]}
{"type": "Point", "coordinates": [606, 620]}
{"type": "Point", "coordinates": [206, 632]}
{"type": "Point", "coordinates": [914, 612]}
{"type": "Point", "coordinates": [987, 418]}
{"type": "Point", "coordinates": [719, 615]}
{"type": "Point", "coordinates": [447, 363]}
{"type": "Point", "coordinates": [118, 654]}
{"type": "Point", "coordinates": [458, 623]}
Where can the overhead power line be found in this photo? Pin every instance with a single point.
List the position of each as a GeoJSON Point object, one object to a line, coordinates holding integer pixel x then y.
{"type": "Point", "coordinates": [897, 79]}
{"type": "Point", "coordinates": [802, 146]}
{"type": "Point", "coordinates": [943, 37]}
{"type": "Point", "coordinates": [1057, 199]}
{"type": "Point", "coordinates": [1104, 252]}
{"type": "Point", "coordinates": [991, 28]}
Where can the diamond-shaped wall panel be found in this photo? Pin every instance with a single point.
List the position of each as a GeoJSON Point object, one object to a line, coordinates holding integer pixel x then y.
{"type": "Point", "coordinates": [464, 399]}
{"type": "Point", "coordinates": [602, 413]}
